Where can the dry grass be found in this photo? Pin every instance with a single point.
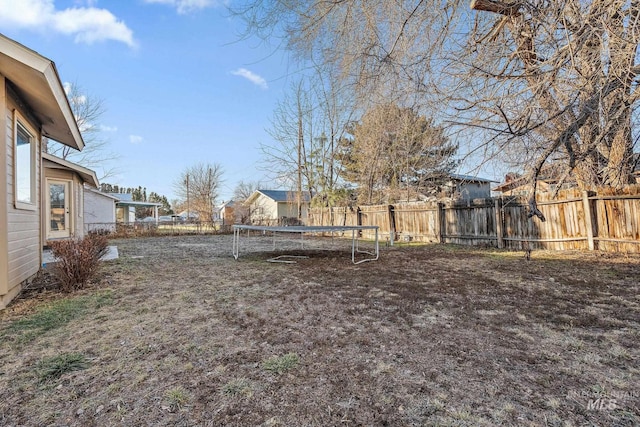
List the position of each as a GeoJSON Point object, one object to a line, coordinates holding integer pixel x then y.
{"type": "Point", "coordinates": [179, 333]}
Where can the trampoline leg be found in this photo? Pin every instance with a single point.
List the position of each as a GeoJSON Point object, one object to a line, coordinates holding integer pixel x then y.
{"type": "Point", "coordinates": [236, 243]}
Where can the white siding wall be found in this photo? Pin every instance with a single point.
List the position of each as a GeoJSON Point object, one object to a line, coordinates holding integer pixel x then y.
{"type": "Point", "coordinates": [264, 208]}
{"type": "Point", "coordinates": [290, 210]}
{"type": "Point", "coordinates": [99, 211]}
{"type": "Point", "coordinates": [23, 226]}
{"type": "Point", "coordinates": [272, 210]}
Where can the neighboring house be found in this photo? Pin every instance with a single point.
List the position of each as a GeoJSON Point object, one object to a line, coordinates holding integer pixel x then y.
{"type": "Point", "coordinates": [467, 187]}
{"type": "Point", "coordinates": [33, 106]}
{"type": "Point", "coordinates": [548, 180]}
{"type": "Point", "coordinates": [233, 212]}
{"type": "Point", "coordinates": [189, 215]}
{"type": "Point", "coordinates": [515, 185]}
{"type": "Point", "coordinates": [126, 208]}
{"type": "Point", "coordinates": [62, 197]}
{"type": "Point", "coordinates": [276, 206]}
{"type": "Point", "coordinates": [99, 211]}
{"type": "Point", "coordinates": [227, 212]}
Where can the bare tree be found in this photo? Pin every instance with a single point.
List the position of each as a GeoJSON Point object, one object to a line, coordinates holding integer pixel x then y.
{"type": "Point", "coordinates": [87, 111]}
{"type": "Point", "coordinates": [198, 187]}
{"type": "Point", "coordinates": [292, 129]}
{"type": "Point", "coordinates": [334, 113]}
{"type": "Point", "coordinates": [572, 70]}
{"type": "Point", "coordinates": [307, 127]}
{"type": "Point", "coordinates": [242, 192]}
{"type": "Point", "coordinates": [546, 82]}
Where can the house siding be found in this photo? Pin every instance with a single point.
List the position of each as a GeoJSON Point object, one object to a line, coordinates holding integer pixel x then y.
{"type": "Point", "coordinates": [23, 226]}
{"type": "Point", "coordinates": [4, 261]}
{"type": "Point", "coordinates": [474, 190]}
{"type": "Point", "coordinates": [99, 211]}
{"type": "Point", "coordinates": [290, 210]}
{"type": "Point", "coordinates": [273, 211]}
{"type": "Point", "coordinates": [264, 208]}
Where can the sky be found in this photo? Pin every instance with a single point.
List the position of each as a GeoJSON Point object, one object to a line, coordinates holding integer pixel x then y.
{"type": "Point", "coordinates": [179, 84]}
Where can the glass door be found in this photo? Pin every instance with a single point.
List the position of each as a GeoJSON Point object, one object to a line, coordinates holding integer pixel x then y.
{"type": "Point", "coordinates": [58, 206]}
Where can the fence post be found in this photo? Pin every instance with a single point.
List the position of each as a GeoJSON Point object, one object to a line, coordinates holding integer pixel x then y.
{"type": "Point", "coordinates": [359, 216]}
{"type": "Point", "coordinates": [499, 234]}
{"type": "Point", "coordinates": [439, 220]}
{"type": "Point", "coordinates": [392, 223]}
{"type": "Point", "coordinates": [587, 219]}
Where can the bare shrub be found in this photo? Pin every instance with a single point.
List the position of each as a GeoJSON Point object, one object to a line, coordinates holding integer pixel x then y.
{"type": "Point", "coordinates": [78, 260]}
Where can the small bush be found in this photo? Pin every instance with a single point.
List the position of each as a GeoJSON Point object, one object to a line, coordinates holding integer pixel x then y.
{"type": "Point", "coordinates": [78, 260]}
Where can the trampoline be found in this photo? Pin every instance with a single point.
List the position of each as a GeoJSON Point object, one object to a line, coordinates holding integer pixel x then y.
{"type": "Point", "coordinates": [303, 229]}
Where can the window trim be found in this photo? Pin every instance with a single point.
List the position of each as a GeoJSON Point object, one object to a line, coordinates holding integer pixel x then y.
{"type": "Point", "coordinates": [20, 122]}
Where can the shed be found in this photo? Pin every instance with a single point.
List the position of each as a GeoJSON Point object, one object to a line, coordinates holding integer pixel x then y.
{"type": "Point", "coordinates": [126, 207]}
{"type": "Point", "coordinates": [468, 187]}
{"type": "Point", "coordinates": [99, 211]}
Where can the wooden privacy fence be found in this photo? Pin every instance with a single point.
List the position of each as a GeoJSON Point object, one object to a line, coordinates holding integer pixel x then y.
{"type": "Point", "coordinates": [586, 220]}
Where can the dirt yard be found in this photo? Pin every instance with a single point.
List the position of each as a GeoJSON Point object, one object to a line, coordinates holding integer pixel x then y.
{"type": "Point", "coordinates": [178, 333]}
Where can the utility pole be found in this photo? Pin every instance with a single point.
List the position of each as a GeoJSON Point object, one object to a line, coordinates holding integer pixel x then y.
{"type": "Point", "coordinates": [188, 206]}
{"type": "Point", "coordinates": [300, 145]}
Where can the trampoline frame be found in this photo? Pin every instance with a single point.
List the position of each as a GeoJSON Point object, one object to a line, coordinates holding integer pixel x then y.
{"type": "Point", "coordinates": [302, 229]}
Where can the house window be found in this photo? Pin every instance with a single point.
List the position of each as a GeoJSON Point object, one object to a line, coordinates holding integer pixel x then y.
{"type": "Point", "coordinates": [24, 166]}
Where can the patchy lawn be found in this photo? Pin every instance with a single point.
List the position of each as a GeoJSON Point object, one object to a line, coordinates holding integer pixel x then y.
{"type": "Point", "coordinates": [177, 332]}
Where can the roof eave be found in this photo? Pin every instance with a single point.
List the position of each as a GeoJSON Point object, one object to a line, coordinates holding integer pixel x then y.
{"type": "Point", "coordinates": [36, 80]}
{"type": "Point", "coordinates": [87, 175]}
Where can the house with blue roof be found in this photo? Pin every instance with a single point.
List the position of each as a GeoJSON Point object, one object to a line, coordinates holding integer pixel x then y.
{"type": "Point", "coordinates": [273, 207]}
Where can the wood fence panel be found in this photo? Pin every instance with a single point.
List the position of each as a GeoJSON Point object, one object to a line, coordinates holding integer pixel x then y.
{"type": "Point", "coordinates": [416, 222]}
{"type": "Point", "coordinates": [349, 216]}
{"type": "Point", "coordinates": [565, 225]}
{"type": "Point", "coordinates": [472, 223]}
{"type": "Point", "coordinates": [618, 220]}
{"type": "Point", "coordinates": [515, 224]}
{"type": "Point", "coordinates": [315, 216]}
{"type": "Point", "coordinates": [375, 215]}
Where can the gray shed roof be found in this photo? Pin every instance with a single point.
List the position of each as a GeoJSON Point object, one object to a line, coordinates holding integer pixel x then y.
{"type": "Point", "coordinates": [281, 195]}
{"type": "Point", "coordinates": [469, 178]}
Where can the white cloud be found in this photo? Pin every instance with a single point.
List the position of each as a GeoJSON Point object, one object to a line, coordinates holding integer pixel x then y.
{"type": "Point", "coordinates": [105, 128]}
{"type": "Point", "coordinates": [135, 139]}
{"type": "Point", "coordinates": [90, 3]}
{"type": "Point", "coordinates": [87, 24]}
{"type": "Point", "coordinates": [186, 6]}
{"type": "Point", "coordinates": [252, 77]}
